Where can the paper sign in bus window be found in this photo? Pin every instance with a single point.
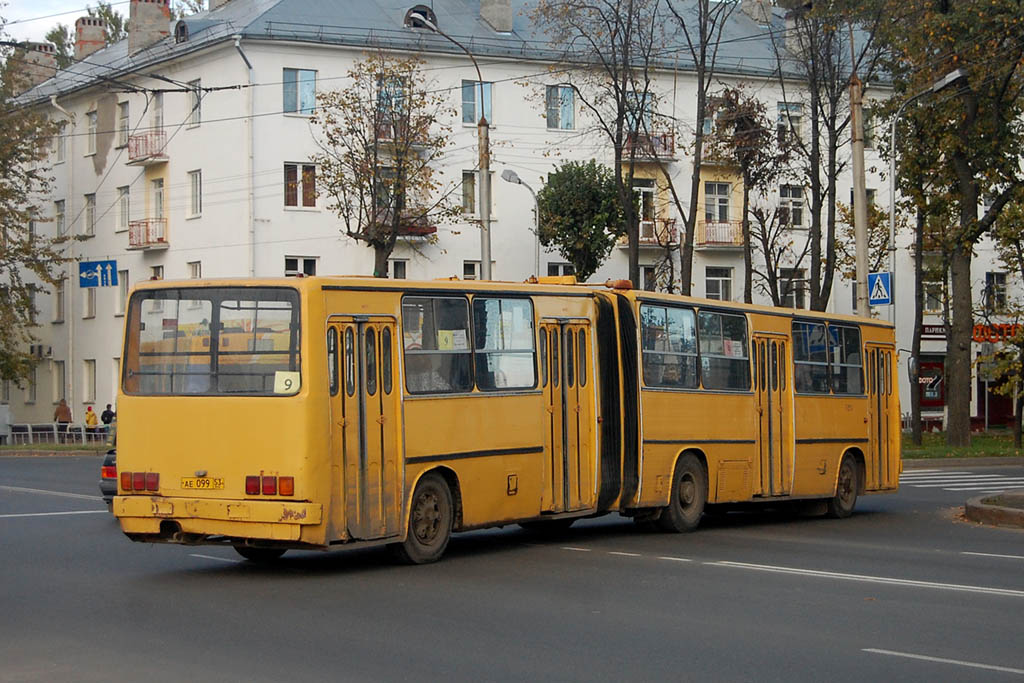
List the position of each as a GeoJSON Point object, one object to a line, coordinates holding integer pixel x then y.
{"type": "Point", "coordinates": [286, 382]}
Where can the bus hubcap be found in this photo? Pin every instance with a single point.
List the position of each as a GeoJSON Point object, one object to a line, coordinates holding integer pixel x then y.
{"type": "Point", "coordinates": [427, 517]}
{"type": "Point", "coordinates": [687, 491]}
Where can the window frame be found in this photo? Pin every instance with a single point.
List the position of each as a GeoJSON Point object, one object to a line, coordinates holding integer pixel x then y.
{"type": "Point", "coordinates": [560, 99]}
{"type": "Point", "coordinates": [195, 193]}
{"type": "Point", "coordinates": [194, 117]}
{"type": "Point", "coordinates": [297, 106]}
{"type": "Point", "coordinates": [91, 130]}
{"type": "Point", "coordinates": [123, 124]}
{"type": "Point", "coordinates": [473, 87]}
{"type": "Point", "coordinates": [303, 194]}
{"type": "Point", "coordinates": [647, 369]}
{"type": "Point", "coordinates": [124, 215]}
{"type": "Point", "coordinates": [744, 345]}
{"type": "Point", "coordinates": [720, 279]}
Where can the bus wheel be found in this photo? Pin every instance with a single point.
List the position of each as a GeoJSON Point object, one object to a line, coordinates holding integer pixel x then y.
{"type": "Point", "coordinates": [689, 493]}
{"type": "Point", "coordinates": [259, 554]}
{"type": "Point", "coordinates": [430, 522]}
{"type": "Point", "coordinates": [548, 527]}
{"type": "Point", "coordinates": [841, 505]}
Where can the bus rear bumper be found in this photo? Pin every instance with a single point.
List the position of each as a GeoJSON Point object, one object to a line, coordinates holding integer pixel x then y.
{"type": "Point", "coordinates": [146, 517]}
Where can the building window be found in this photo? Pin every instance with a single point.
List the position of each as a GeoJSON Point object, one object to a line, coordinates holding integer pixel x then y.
{"type": "Point", "coordinates": [790, 122]}
{"type": "Point", "coordinates": [89, 225]}
{"type": "Point", "coordinates": [298, 266]}
{"type": "Point", "coordinates": [89, 302]}
{"type": "Point", "coordinates": [397, 269]}
{"type": "Point", "coordinates": [90, 139]}
{"type": "Point", "coordinates": [89, 380]}
{"type": "Point", "coordinates": [791, 205]}
{"type": "Point", "coordinates": [60, 142]}
{"type": "Point", "coordinates": [300, 182]}
{"type": "Point", "coordinates": [718, 283]}
{"type": "Point", "coordinates": [195, 100]}
{"type": "Point", "coordinates": [644, 190]}
{"type": "Point", "coordinates": [158, 111]}
{"type": "Point", "coordinates": [934, 291]}
{"type": "Point", "coordinates": [649, 276]}
{"type": "Point", "coordinates": [33, 386]}
{"type": "Point", "coordinates": [716, 202]}
{"type": "Point", "coordinates": [469, 192]}
{"type": "Point", "coordinates": [560, 101]}
{"type": "Point", "coordinates": [195, 201]}
{"type": "Point", "coordinates": [470, 105]}
{"type": "Point", "coordinates": [58, 380]}
{"type": "Point", "coordinates": [58, 301]}
{"type": "Point", "coordinates": [58, 216]}
{"type": "Point", "coordinates": [156, 273]}
{"type": "Point", "coordinates": [123, 208]}
{"type": "Point", "coordinates": [560, 269]}
{"type": "Point", "coordinates": [195, 270]}
{"type": "Point", "coordinates": [157, 187]}
{"type": "Point", "coordinates": [995, 292]}
{"type": "Point", "coordinates": [299, 91]}
{"type": "Point", "coordinates": [470, 270]}
{"type": "Point", "coordinates": [123, 126]}
{"type": "Point", "coordinates": [122, 292]}
{"type": "Point", "coordinates": [639, 112]}
{"type": "Point", "coordinates": [793, 287]}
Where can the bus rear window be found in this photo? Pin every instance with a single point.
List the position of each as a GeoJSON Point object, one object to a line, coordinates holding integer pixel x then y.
{"type": "Point", "coordinates": [213, 341]}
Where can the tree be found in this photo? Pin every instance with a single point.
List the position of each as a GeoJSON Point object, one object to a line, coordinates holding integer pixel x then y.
{"type": "Point", "coordinates": [29, 262]}
{"type": "Point", "coordinates": [771, 235]}
{"type": "Point", "coordinates": [379, 139]}
{"type": "Point", "coordinates": [978, 130]}
{"type": "Point", "coordinates": [581, 215]}
{"type": "Point", "coordinates": [116, 25]}
{"type": "Point", "coordinates": [64, 44]}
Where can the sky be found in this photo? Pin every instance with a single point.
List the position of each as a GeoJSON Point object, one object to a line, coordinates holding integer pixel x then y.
{"type": "Point", "coordinates": [31, 19]}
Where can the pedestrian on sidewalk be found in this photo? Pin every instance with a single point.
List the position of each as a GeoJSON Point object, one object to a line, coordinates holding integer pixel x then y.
{"type": "Point", "coordinates": [62, 416]}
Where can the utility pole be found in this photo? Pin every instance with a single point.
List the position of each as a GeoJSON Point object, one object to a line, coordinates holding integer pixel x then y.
{"type": "Point", "coordinates": [860, 193]}
{"type": "Point", "coordinates": [484, 143]}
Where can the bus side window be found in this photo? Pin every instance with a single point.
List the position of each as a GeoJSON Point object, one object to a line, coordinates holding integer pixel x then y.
{"type": "Point", "coordinates": [583, 359]}
{"type": "Point", "coordinates": [385, 359]}
{"type": "Point", "coordinates": [371, 361]}
{"type": "Point", "coordinates": [543, 357]}
{"type": "Point", "coordinates": [332, 360]}
{"type": "Point", "coordinates": [350, 363]}
{"type": "Point", "coordinates": [570, 341]}
{"type": "Point", "coordinates": [556, 369]}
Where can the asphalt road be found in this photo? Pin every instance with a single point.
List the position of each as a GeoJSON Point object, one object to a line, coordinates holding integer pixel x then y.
{"type": "Point", "coordinates": [902, 590]}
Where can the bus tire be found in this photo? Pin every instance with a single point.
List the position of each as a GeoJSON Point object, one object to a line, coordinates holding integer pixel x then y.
{"type": "Point", "coordinates": [430, 522]}
{"type": "Point", "coordinates": [259, 554]}
{"type": "Point", "coordinates": [841, 505]}
{"type": "Point", "coordinates": [687, 498]}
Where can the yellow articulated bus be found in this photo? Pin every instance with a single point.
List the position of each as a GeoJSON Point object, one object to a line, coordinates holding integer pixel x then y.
{"type": "Point", "coordinates": [320, 412]}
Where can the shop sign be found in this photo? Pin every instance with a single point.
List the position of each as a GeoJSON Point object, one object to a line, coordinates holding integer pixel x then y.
{"type": "Point", "coordinates": [933, 331]}
{"type": "Point", "coordinates": [996, 332]}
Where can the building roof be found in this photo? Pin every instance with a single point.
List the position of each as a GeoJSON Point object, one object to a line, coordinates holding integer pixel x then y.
{"type": "Point", "coordinates": [745, 48]}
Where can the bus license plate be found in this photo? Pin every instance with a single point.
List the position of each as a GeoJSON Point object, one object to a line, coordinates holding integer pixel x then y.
{"type": "Point", "coordinates": [206, 483]}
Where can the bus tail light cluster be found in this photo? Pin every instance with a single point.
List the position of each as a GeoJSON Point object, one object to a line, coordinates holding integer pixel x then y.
{"type": "Point", "coordinates": [140, 481]}
{"type": "Point", "coordinates": [268, 485]}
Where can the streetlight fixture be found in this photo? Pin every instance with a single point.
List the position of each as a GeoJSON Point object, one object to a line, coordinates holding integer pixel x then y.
{"type": "Point", "coordinates": [421, 17]}
{"type": "Point", "coordinates": [949, 79]}
{"type": "Point", "coordinates": [511, 176]}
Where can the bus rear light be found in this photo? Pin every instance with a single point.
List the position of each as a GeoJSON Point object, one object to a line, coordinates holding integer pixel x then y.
{"type": "Point", "coordinates": [286, 486]}
{"type": "Point", "coordinates": [108, 472]}
{"type": "Point", "coordinates": [269, 486]}
{"type": "Point", "coordinates": [139, 481]}
{"type": "Point", "coordinates": [126, 481]}
{"type": "Point", "coordinates": [152, 481]}
{"type": "Point", "coordinates": [252, 486]}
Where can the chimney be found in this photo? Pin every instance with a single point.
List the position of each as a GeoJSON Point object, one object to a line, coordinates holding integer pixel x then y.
{"type": "Point", "coordinates": [38, 63]}
{"type": "Point", "coordinates": [758, 10]}
{"type": "Point", "coordinates": [498, 14]}
{"type": "Point", "coordinates": [148, 23]}
{"type": "Point", "coordinates": [90, 35]}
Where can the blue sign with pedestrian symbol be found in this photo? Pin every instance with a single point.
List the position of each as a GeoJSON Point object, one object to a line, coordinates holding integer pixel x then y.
{"type": "Point", "coordinates": [97, 274]}
{"type": "Point", "coordinates": [879, 289]}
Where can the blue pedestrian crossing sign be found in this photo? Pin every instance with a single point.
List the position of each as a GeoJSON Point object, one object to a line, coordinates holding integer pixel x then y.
{"type": "Point", "coordinates": [97, 273]}
{"type": "Point", "coordinates": [879, 289]}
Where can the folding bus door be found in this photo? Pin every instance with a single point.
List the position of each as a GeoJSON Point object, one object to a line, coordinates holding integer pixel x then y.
{"type": "Point", "coordinates": [775, 415]}
{"type": "Point", "coordinates": [881, 402]}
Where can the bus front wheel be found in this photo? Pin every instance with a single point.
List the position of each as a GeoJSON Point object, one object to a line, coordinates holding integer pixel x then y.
{"type": "Point", "coordinates": [688, 496]}
{"type": "Point", "coordinates": [841, 505]}
{"type": "Point", "coordinates": [430, 522]}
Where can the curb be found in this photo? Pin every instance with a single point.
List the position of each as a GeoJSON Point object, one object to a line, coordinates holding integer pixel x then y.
{"type": "Point", "coordinates": [924, 463]}
{"type": "Point", "coordinates": [48, 454]}
{"type": "Point", "coordinates": [997, 515]}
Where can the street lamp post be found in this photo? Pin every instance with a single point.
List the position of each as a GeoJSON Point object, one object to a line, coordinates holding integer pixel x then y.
{"type": "Point", "coordinates": [511, 176]}
{"type": "Point", "coordinates": [418, 19]}
{"type": "Point", "coordinates": [941, 84]}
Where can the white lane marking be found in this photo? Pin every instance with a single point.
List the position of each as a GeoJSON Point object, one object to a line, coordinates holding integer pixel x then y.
{"type": "Point", "coordinates": [943, 660]}
{"type": "Point", "coordinates": [1008, 557]}
{"type": "Point", "coordinates": [863, 578]}
{"type": "Point", "coordinates": [964, 477]}
{"type": "Point", "coordinates": [578, 550]}
{"type": "Point", "coordinates": [618, 552]}
{"type": "Point", "coordinates": [915, 471]}
{"type": "Point", "coordinates": [985, 488]}
{"type": "Point", "coordinates": [971, 484]}
{"type": "Point", "coordinates": [930, 473]}
{"type": "Point", "coordinates": [219, 559]}
{"type": "Point", "coordinates": [21, 489]}
{"type": "Point", "coordinates": [675, 559]}
{"type": "Point", "coordinates": [54, 514]}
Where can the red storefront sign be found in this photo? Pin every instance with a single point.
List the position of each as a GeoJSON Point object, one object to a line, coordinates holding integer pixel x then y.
{"type": "Point", "coordinates": [996, 332]}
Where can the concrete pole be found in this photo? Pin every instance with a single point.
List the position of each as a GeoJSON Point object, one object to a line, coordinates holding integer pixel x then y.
{"type": "Point", "coordinates": [484, 143]}
{"type": "Point", "coordinates": [860, 196]}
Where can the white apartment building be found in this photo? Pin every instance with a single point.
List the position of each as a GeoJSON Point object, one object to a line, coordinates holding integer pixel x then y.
{"type": "Point", "coordinates": [186, 154]}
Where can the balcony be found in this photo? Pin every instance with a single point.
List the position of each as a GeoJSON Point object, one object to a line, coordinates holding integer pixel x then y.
{"type": "Point", "coordinates": [719, 235]}
{"type": "Point", "coordinates": [660, 233]}
{"type": "Point", "coordinates": [147, 149]}
{"type": "Point", "coordinates": [651, 145]}
{"type": "Point", "coordinates": [148, 233]}
{"type": "Point", "coordinates": [416, 228]}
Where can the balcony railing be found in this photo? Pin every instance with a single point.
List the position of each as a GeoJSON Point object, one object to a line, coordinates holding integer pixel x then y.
{"type": "Point", "coordinates": [148, 233]}
{"type": "Point", "coordinates": [147, 148]}
{"type": "Point", "coordinates": [651, 145]}
{"type": "Point", "coordinates": [657, 233]}
{"type": "Point", "coordinates": [719, 234]}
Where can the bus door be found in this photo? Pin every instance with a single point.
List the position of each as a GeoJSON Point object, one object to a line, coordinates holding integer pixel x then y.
{"type": "Point", "coordinates": [365, 414]}
{"type": "Point", "coordinates": [880, 401]}
{"type": "Point", "coordinates": [568, 384]}
{"type": "Point", "coordinates": [775, 415]}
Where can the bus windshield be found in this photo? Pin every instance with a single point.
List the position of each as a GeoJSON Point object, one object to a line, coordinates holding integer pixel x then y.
{"type": "Point", "coordinates": [213, 341]}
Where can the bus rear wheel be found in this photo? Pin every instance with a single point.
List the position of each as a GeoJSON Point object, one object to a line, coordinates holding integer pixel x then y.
{"type": "Point", "coordinates": [841, 505]}
{"type": "Point", "coordinates": [259, 554]}
{"type": "Point", "coordinates": [430, 522]}
{"type": "Point", "coordinates": [687, 498]}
